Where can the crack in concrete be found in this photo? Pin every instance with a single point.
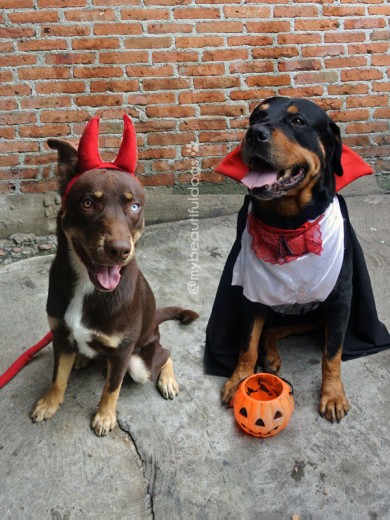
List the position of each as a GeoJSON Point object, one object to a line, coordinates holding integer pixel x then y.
{"type": "Point", "coordinates": [151, 478]}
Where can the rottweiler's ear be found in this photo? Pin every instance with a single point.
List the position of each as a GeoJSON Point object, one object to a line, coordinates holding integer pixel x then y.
{"type": "Point", "coordinates": [67, 161]}
{"type": "Point", "coordinates": [336, 148]}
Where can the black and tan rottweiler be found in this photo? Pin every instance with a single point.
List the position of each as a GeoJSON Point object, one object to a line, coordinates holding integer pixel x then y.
{"type": "Point", "coordinates": [293, 262]}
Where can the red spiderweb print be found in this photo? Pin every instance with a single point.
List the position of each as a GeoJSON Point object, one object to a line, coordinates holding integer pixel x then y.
{"type": "Point", "coordinates": [280, 246]}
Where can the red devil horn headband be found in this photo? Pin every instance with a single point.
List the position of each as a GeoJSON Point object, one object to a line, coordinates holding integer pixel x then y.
{"type": "Point", "coordinates": [89, 156]}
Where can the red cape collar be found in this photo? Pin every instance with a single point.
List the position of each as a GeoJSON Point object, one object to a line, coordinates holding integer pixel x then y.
{"type": "Point", "coordinates": [353, 165]}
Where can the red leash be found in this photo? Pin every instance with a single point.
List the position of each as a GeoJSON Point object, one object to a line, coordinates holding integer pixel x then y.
{"type": "Point", "coordinates": [24, 359]}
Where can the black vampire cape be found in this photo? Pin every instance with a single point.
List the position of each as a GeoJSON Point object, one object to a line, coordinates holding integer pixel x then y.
{"type": "Point", "coordinates": [365, 333]}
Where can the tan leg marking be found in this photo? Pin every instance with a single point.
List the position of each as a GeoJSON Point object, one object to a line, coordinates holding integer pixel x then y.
{"type": "Point", "coordinates": [246, 363]}
{"type": "Point", "coordinates": [105, 418]}
{"type": "Point", "coordinates": [49, 404]}
{"type": "Point", "coordinates": [272, 359]}
{"type": "Point", "coordinates": [333, 404]}
{"type": "Point", "coordinates": [167, 383]}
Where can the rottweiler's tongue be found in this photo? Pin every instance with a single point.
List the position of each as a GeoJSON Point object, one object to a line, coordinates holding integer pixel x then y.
{"type": "Point", "coordinates": [108, 276]}
{"type": "Point", "coordinates": [257, 179]}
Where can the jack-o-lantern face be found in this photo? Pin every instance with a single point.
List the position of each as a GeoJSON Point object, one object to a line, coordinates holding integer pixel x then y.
{"type": "Point", "coordinates": [263, 405]}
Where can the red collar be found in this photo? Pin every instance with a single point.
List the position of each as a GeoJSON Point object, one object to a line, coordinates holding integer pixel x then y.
{"type": "Point", "coordinates": [280, 246]}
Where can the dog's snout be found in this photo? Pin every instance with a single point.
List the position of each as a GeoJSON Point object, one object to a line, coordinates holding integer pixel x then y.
{"type": "Point", "coordinates": [117, 250]}
{"type": "Point", "coordinates": [258, 134]}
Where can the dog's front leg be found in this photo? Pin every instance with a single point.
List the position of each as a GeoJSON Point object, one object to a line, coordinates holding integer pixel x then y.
{"type": "Point", "coordinates": [247, 359]}
{"type": "Point", "coordinates": [49, 404]}
{"type": "Point", "coordinates": [333, 403]}
{"type": "Point", "coordinates": [105, 418]}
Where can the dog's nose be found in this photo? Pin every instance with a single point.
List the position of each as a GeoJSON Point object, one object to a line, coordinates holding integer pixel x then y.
{"type": "Point", "coordinates": [258, 134]}
{"type": "Point", "coordinates": [117, 250]}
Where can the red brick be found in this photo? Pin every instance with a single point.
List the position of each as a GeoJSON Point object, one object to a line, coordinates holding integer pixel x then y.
{"type": "Point", "coordinates": [223, 110]}
{"type": "Point", "coordinates": [344, 37]}
{"type": "Point", "coordinates": [275, 26]}
{"type": "Point", "coordinates": [166, 84]}
{"type": "Point", "coordinates": [113, 29]}
{"type": "Point", "coordinates": [316, 77]}
{"type": "Point", "coordinates": [64, 31]}
{"type": "Point", "coordinates": [214, 69]}
{"type": "Point", "coordinates": [39, 186]}
{"type": "Point", "coordinates": [175, 56]}
{"type": "Point", "coordinates": [204, 123]}
{"type": "Point", "coordinates": [89, 15]}
{"type": "Point", "coordinates": [148, 42]}
{"type": "Point", "coordinates": [6, 188]}
{"type": "Point", "coordinates": [129, 85]}
{"type": "Point", "coordinates": [246, 11]}
{"type": "Point", "coordinates": [220, 137]}
{"type": "Point", "coordinates": [64, 116]}
{"type": "Point", "coordinates": [248, 95]}
{"type": "Point", "coordinates": [275, 52]}
{"type": "Point", "coordinates": [157, 153]}
{"type": "Point", "coordinates": [123, 57]}
{"type": "Point", "coordinates": [250, 40]}
{"type": "Point", "coordinates": [45, 131]}
{"type": "Point", "coordinates": [200, 13]}
{"type": "Point", "coordinates": [144, 14]}
{"type": "Point", "coordinates": [348, 89]}
{"type": "Point", "coordinates": [220, 27]}
{"type": "Point", "coordinates": [170, 139]}
{"type": "Point", "coordinates": [369, 48]}
{"type": "Point", "coordinates": [96, 44]}
{"type": "Point", "coordinates": [193, 42]}
{"type": "Point", "coordinates": [161, 179]}
{"type": "Point", "coordinates": [251, 67]}
{"type": "Point", "coordinates": [29, 17]}
{"type": "Point", "coordinates": [46, 102]}
{"type": "Point", "coordinates": [342, 10]}
{"type": "Point", "coordinates": [364, 128]}
{"type": "Point", "coordinates": [152, 99]}
{"type": "Point", "coordinates": [15, 90]}
{"type": "Point", "coordinates": [19, 118]}
{"type": "Point", "coordinates": [144, 71]}
{"type": "Point", "coordinates": [265, 80]}
{"type": "Point", "coordinates": [365, 23]}
{"type": "Point", "coordinates": [19, 147]}
{"type": "Point", "coordinates": [169, 111]}
{"type": "Point", "coordinates": [44, 72]}
{"type": "Point", "coordinates": [323, 50]}
{"type": "Point", "coordinates": [382, 60]}
{"type": "Point", "coordinates": [201, 97]}
{"type": "Point", "coordinates": [350, 61]}
{"type": "Point", "coordinates": [99, 100]}
{"type": "Point", "coordinates": [169, 28]}
{"type": "Point", "coordinates": [321, 24]}
{"type": "Point", "coordinates": [97, 72]}
{"type": "Point", "coordinates": [17, 4]}
{"type": "Point", "coordinates": [225, 55]}
{"type": "Point", "coordinates": [293, 65]}
{"type": "Point", "coordinates": [62, 3]}
{"type": "Point", "coordinates": [85, 58]}
{"type": "Point", "coordinates": [361, 75]}
{"type": "Point", "coordinates": [297, 11]}
{"type": "Point", "coordinates": [297, 38]}
{"type": "Point", "coordinates": [367, 101]}
{"type": "Point", "coordinates": [16, 32]}
{"type": "Point", "coordinates": [213, 82]}
{"type": "Point", "coordinates": [306, 91]}
{"type": "Point", "coordinates": [342, 116]}
{"type": "Point", "coordinates": [42, 45]}
{"type": "Point", "coordinates": [64, 87]}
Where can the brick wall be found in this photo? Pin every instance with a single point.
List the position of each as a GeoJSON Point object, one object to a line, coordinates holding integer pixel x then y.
{"type": "Point", "coordinates": [185, 70]}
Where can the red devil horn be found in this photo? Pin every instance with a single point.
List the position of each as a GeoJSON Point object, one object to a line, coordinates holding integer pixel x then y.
{"type": "Point", "coordinates": [88, 150]}
{"type": "Point", "coordinates": [127, 155]}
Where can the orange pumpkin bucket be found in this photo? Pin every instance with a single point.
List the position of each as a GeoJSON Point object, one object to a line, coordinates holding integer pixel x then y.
{"type": "Point", "coordinates": [263, 404]}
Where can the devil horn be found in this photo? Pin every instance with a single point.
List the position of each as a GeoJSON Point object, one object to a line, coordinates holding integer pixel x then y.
{"type": "Point", "coordinates": [88, 150]}
{"type": "Point", "coordinates": [127, 155]}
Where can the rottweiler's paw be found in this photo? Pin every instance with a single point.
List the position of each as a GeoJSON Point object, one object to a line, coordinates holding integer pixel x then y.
{"type": "Point", "coordinates": [334, 406]}
{"type": "Point", "coordinates": [167, 386]}
{"type": "Point", "coordinates": [227, 392]}
{"type": "Point", "coordinates": [103, 423]}
{"type": "Point", "coordinates": [44, 409]}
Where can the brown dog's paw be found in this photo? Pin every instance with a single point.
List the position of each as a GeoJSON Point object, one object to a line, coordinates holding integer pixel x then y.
{"type": "Point", "coordinates": [334, 405]}
{"type": "Point", "coordinates": [167, 383]}
{"type": "Point", "coordinates": [103, 423]}
{"type": "Point", "coordinates": [45, 408]}
{"type": "Point", "coordinates": [81, 362]}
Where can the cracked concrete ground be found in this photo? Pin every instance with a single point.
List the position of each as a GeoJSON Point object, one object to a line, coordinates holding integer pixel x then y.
{"type": "Point", "coordinates": [186, 459]}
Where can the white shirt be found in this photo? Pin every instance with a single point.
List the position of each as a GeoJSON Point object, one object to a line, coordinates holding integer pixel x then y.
{"type": "Point", "coordinates": [308, 279]}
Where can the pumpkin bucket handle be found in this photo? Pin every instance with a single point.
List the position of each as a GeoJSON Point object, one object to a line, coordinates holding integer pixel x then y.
{"type": "Point", "coordinates": [289, 384]}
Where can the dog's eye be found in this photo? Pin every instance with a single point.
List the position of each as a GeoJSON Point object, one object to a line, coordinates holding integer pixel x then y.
{"type": "Point", "coordinates": [87, 203]}
{"type": "Point", "coordinates": [297, 121]}
{"type": "Point", "coordinates": [135, 206]}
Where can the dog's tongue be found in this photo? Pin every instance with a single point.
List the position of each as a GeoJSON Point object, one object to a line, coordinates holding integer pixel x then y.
{"type": "Point", "coordinates": [257, 179]}
{"type": "Point", "coordinates": [108, 276]}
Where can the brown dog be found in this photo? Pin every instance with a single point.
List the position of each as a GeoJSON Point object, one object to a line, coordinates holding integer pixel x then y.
{"type": "Point", "coordinates": [99, 303]}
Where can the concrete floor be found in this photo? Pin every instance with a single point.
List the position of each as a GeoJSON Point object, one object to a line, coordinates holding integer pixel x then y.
{"type": "Point", "coordinates": [187, 459]}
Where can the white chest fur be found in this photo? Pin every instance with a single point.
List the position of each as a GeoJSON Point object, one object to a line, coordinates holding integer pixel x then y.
{"type": "Point", "coordinates": [74, 313]}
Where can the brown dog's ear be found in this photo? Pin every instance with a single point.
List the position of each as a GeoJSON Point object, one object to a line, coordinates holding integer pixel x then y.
{"type": "Point", "coordinates": [67, 161]}
{"type": "Point", "coordinates": [337, 148]}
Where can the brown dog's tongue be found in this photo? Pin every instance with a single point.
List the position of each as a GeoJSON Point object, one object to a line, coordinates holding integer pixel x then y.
{"type": "Point", "coordinates": [257, 179]}
{"type": "Point", "coordinates": [108, 276]}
